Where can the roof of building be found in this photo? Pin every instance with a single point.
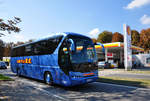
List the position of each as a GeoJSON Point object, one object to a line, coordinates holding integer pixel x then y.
{"type": "Point", "coordinates": [118, 44]}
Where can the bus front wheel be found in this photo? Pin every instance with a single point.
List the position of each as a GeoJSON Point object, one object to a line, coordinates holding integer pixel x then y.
{"type": "Point", "coordinates": [48, 78]}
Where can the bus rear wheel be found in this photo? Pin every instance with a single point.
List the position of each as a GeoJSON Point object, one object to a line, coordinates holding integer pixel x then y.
{"type": "Point", "coordinates": [18, 72]}
{"type": "Point", "coordinates": [48, 78]}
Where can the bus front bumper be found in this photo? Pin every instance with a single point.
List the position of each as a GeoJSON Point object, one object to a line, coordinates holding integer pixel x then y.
{"type": "Point", "coordinates": [83, 80]}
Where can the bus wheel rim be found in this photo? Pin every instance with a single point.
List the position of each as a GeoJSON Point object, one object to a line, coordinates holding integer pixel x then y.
{"type": "Point", "coordinates": [48, 78]}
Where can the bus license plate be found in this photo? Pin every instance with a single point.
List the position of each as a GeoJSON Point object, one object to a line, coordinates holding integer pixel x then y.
{"type": "Point", "coordinates": [89, 80]}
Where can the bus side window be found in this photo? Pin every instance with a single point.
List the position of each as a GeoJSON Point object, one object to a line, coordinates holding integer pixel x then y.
{"type": "Point", "coordinates": [21, 51]}
{"type": "Point", "coordinates": [18, 52]}
{"type": "Point", "coordinates": [36, 49]}
{"type": "Point", "coordinates": [45, 47]}
{"type": "Point", "coordinates": [14, 52]}
{"type": "Point", "coordinates": [28, 50]}
{"type": "Point", "coordinates": [52, 44]}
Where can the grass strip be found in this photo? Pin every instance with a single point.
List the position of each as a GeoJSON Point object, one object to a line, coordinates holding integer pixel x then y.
{"type": "Point", "coordinates": [126, 81]}
{"type": "Point", "coordinates": [4, 78]}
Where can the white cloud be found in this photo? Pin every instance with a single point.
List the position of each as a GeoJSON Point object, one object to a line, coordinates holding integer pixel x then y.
{"type": "Point", "coordinates": [137, 3]}
{"type": "Point", "coordinates": [145, 19]}
{"type": "Point", "coordinates": [94, 33]}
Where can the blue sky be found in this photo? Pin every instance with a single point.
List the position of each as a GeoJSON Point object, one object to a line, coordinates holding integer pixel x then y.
{"type": "Point", "coordinates": [40, 18]}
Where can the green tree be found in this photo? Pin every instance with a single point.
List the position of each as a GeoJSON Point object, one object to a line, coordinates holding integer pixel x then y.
{"type": "Point", "coordinates": [9, 26]}
{"type": "Point", "coordinates": [105, 37]}
{"type": "Point", "coordinates": [94, 40]}
{"type": "Point", "coordinates": [145, 39]}
{"type": "Point", "coordinates": [1, 49]}
{"type": "Point", "coordinates": [8, 46]}
{"type": "Point", "coordinates": [7, 49]}
{"type": "Point", "coordinates": [117, 37]}
{"type": "Point", "coordinates": [135, 37]}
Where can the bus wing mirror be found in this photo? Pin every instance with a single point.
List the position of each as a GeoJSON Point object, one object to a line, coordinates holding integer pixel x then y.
{"type": "Point", "coordinates": [103, 49]}
{"type": "Point", "coordinates": [72, 45]}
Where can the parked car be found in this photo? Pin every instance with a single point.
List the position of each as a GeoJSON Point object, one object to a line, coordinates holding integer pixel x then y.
{"type": "Point", "coordinates": [103, 64]}
{"type": "Point", "coordinates": [108, 65]}
{"type": "Point", "coordinates": [113, 65]}
{"type": "Point", "coordinates": [3, 65]}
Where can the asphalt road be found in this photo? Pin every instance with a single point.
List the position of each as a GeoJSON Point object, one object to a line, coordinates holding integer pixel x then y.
{"type": "Point", "coordinates": [25, 89]}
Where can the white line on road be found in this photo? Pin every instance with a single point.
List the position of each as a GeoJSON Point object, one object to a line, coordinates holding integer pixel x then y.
{"type": "Point", "coordinates": [37, 86]}
{"type": "Point", "coordinates": [57, 96]}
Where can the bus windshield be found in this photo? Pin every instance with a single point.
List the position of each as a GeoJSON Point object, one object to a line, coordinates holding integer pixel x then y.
{"type": "Point", "coordinates": [81, 59]}
{"type": "Point", "coordinates": [84, 51]}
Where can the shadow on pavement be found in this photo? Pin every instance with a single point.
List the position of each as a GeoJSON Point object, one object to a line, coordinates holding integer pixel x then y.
{"type": "Point", "coordinates": [95, 91]}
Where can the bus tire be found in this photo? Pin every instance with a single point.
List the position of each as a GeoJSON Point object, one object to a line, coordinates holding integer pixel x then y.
{"type": "Point", "coordinates": [48, 78]}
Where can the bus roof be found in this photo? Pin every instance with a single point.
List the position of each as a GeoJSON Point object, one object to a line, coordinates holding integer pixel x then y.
{"type": "Point", "coordinates": [72, 33]}
{"type": "Point", "coordinates": [52, 35]}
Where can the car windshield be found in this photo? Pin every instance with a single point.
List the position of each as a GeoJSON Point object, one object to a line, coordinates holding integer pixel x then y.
{"type": "Point", "coordinates": [101, 62]}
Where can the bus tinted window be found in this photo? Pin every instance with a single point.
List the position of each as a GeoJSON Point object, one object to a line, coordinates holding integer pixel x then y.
{"type": "Point", "coordinates": [20, 52]}
{"type": "Point", "coordinates": [28, 51]}
{"type": "Point", "coordinates": [42, 47]}
{"type": "Point", "coordinates": [46, 46]}
{"type": "Point", "coordinates": [13, 52]}
{"type": "Point", "coordinates": [17, 52]}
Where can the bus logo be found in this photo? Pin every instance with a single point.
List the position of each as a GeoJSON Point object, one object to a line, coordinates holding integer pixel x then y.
{"type": "Point", "coordinates": [26, 61]}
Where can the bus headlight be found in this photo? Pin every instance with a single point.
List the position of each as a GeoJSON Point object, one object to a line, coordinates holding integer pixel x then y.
{"type": "Point", "coordinates": [64, 82]}
{"type": "Point", "coordinates": [76, 76]}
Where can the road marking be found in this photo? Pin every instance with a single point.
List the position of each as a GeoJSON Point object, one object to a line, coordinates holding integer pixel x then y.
{"type": "Point", "coordinates": [37, 86]}
{"type": "Point", "coordinates": [57, 96]}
